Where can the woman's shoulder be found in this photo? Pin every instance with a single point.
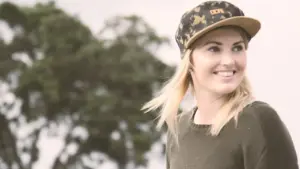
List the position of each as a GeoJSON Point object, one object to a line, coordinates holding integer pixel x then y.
{"type": "Point", "coordinates": [264, 135]}
{"type": "Point", "coordinates": [261, 113]}
{"type": "Point", "coordinates": [259, 120]}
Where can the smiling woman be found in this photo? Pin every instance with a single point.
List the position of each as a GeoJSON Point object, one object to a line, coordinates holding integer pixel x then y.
{"type": "Point", "coordinates": [219, 61]}
{"type": "Point", "coordinates": [228, 128]}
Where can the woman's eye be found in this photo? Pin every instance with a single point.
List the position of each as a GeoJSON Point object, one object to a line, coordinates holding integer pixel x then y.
{"type": "Point", "coordinates": [238, 48]}
{"type": "Point", "coordinates": [214, 49]}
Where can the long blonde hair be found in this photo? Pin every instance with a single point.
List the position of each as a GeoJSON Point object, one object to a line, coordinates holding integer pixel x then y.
{"type": "Point", "coordinates": [171, 95]}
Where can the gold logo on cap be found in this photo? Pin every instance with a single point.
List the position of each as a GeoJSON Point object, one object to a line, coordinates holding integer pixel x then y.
{"type": "Point", "coordinates": [216, 11]}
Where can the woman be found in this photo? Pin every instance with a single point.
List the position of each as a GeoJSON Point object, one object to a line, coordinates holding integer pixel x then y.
{"type": "Point", "coordinates": [227, 129]}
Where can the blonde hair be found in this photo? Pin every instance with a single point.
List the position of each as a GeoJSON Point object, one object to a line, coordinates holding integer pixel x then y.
{"type": "Point", "coordinates": [171, 95]}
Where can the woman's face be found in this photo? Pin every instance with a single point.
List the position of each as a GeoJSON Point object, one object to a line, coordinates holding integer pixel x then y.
{"type": "Point", "coordinates": [219, 61]}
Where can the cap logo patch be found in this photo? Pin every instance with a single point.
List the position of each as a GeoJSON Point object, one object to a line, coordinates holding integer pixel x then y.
{"type": "Point", "coordinates": [216, 11]}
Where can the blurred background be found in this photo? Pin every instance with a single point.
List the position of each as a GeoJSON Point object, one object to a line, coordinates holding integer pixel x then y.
{"type": "Point", "coordinates": [74, 75]}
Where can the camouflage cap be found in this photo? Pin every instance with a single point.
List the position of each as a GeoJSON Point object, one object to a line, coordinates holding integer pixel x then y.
{"type": "Point", "coordinates": [211, 15]}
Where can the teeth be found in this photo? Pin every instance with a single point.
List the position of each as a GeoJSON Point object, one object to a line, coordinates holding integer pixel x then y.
{"type": "Point", "coordinates": [225, 74]}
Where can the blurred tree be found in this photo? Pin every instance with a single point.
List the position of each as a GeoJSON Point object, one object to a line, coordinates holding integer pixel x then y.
{"type": "Point", "coordinates": [66, 76]}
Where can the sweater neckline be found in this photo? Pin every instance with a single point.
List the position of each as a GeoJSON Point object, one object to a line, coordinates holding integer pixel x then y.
{"type": "Point", "coordinates": [194, 125]}
{"type": "Point", "coordinates": [206, 126]}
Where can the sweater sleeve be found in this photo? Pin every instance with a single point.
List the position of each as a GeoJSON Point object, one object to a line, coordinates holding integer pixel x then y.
{"type": "Point", "coordinates": [269, 144]}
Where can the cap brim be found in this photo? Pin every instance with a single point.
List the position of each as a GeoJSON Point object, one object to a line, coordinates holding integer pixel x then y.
{"type": "Point", "coordinates": [250, 25]}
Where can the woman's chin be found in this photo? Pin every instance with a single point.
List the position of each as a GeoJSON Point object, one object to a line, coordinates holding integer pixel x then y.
{"type": "Point", "coordinates": [225, 88]}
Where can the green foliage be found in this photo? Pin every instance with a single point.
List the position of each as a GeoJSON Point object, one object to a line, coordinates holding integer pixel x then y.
{"type": "Point", "coordinates": [95, 83]}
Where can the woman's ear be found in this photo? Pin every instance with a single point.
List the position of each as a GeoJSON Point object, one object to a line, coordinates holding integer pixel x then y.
{"type": "Point", "coordinates": [191, 71]}
{"type": "Point", "coordinates": [191, 67]}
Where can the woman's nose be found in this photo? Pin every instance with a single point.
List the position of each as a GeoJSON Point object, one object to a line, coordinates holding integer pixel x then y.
{"type": "Point", "coordinates": [227, 59]}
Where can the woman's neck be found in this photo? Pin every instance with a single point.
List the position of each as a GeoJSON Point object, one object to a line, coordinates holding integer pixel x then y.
{"type": "Point", "coordinates": [208, 105]}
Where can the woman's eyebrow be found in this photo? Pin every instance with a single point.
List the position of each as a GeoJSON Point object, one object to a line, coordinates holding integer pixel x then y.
{"type": "Point", "coordinates": [212, 42]}
{"type": "Point", "coordinates": [220, 43]}
{"type": "Point", "coordinates": [236, 43]}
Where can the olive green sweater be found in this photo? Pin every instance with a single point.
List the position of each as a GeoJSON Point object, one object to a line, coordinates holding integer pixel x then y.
{"type": "Point", "coordinates": [259, 141]}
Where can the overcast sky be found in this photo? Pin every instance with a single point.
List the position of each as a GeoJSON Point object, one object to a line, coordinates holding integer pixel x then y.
{"type": "Point", "coordinates": [274, 57]}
